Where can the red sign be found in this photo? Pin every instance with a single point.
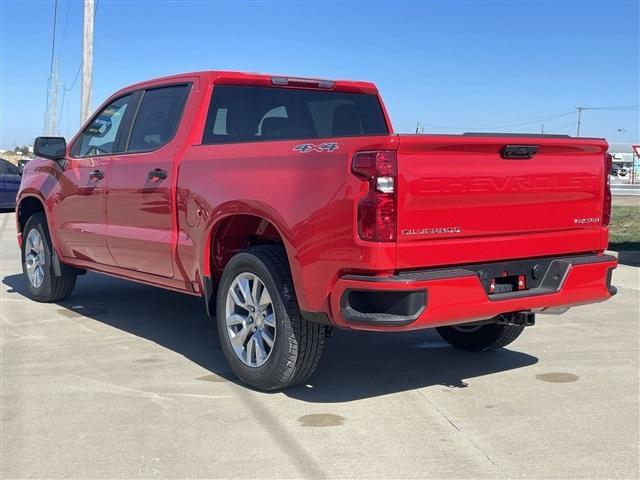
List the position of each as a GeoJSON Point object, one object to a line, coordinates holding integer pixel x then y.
{"type": "Point", "coordinates": [636, 149]}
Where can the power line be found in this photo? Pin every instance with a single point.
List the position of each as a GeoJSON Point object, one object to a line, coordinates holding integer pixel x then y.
{"type": "Point", "coordinates": [557, 129]}
{"type": "Point", "coordinates": [64, 94]}
{"type": "Point", "coordinates": [619, 107]}
{"type": "Point", "coordinates": [64, 26]}
{"type": "Point", "coordinates": [533, 122]}
{"type": "Point", "coordinates": [53, 40]}
{"type": "Point", "coordinates": [75, 79]}
{"type": "Point", "coordinates": [514, 124]}
{"type": "Point", "coordinates": [63, 37]}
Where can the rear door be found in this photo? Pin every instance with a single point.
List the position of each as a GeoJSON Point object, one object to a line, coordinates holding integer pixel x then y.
{"type": "Point", "coordinates": [139, 201]}
{"type": "Point", "coordinates": [464, 197]}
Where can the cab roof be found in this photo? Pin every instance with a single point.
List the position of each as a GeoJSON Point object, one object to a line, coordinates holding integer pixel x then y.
{"type": "Point", "coordinates": [263, 80]}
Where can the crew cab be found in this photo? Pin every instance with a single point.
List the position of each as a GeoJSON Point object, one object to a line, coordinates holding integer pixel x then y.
{"type": "Point", "coordinates": [291, 207]}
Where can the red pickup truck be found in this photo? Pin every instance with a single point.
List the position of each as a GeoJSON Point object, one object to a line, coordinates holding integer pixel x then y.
{"type": "Point", "coordinates": [291, 207]}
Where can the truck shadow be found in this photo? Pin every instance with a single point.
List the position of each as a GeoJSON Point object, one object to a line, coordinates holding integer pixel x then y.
{"type": "Point", "coordinates": [354, 365]}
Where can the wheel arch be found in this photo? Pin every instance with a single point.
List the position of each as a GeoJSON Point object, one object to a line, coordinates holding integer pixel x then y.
{"type": "Point", "coordinates": [235, 232]}
{"type": "Point", "coordinates": [237, 229]}
{"type": "Point", "coordinates": [26, 207]}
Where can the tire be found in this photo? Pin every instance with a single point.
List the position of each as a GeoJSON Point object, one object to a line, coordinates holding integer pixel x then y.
{"type": "Point", "coordinates": [45, 286]}
{"type": "Point", "coordinates": [480, 338]}
{"type": "Point", "coordinates": [296, 344]}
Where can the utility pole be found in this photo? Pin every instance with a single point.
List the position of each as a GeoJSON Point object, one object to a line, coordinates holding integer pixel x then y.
{"type": "Point", "coordinates": [49, 114]}
{"type": "Point", "coordinates": [542, 129]}
{"type": "Point", "coordinates": [579, 109]}
{"type": "Point", "coordinates": [50, 127]}
{"type": "Point", "coordinates": [417, 128]}
{"type": "Point", "coordinates": [53, 125]}
{"type": "Point", "coordinates": [87, 61]}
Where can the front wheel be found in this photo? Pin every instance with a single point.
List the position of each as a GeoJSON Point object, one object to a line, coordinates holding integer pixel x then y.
{"type": "Point", "coordinates": [263, 337]}
{"type": "Point", "coordinates": [37, 263]}
{"type": "Point", "coordinates": [476, 338]}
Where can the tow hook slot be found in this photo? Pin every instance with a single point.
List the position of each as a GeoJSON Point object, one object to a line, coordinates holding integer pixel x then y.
{"type": "Point", "coordinates": [526, 319]}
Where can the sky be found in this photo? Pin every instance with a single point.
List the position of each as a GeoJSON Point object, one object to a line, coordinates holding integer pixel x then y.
{"type": "Point", "coordinates": [453, 66]}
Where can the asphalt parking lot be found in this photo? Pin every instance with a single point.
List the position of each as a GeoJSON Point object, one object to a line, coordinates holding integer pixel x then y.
{"type": "Point", "coordinates": [128, 381]}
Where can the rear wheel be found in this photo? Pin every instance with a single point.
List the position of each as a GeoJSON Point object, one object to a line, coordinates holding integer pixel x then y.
{"type": "Point", "coordinates": [263, 337]}
{"type": "Point", "coordinates": [37, 264]}
{"type": "Point", "coordinates": [475, 338]}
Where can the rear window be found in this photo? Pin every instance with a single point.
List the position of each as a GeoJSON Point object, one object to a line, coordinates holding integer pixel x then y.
{"type": "Point", "coordinates": [252, 114]}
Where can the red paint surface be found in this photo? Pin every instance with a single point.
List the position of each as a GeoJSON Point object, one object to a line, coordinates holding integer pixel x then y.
{"type": "Point", "coordinates": [459, 300]}
{"type": "Point", "coordinates": [161, 232]}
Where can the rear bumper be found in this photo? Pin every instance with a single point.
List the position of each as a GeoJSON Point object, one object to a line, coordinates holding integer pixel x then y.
{"type": "Point", "coordinates": [431, 298]}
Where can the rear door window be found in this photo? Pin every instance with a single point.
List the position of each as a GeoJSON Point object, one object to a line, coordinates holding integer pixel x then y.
{"type": "Point", "coordinates": [252, 114]}
{"type": "Point", "coordinates": [157, 117]}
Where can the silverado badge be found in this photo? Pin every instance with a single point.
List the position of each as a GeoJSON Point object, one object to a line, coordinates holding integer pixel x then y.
{"type": "Point", "coordinates": [430, 231]}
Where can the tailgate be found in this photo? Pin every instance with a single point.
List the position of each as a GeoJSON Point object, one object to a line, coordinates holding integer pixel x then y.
{"type": "Point", "coordinates": [466, 198]}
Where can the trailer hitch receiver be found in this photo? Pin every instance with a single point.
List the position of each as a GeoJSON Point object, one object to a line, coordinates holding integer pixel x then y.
{"type": "Point", "coordinates": [526, 319]}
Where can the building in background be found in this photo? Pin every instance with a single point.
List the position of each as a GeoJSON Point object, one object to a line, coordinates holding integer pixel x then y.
{"type": "Point", "coordinates": [625, 161]}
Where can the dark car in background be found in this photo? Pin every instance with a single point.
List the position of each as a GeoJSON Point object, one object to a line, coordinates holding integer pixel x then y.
{"type": "Point", "coordinates": [22, 163]}
{"type": "Point", "coordinates": [9, 184]}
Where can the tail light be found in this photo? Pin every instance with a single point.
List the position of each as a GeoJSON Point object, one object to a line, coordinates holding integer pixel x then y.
{"type": "Point", "coordinates": [377, 210]}
{"type": "Point", "coordinates": [606, 206]}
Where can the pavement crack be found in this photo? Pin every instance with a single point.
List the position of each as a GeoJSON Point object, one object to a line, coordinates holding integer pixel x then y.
{"type": "Point", "coordinates": [108, 387]}
{"type": "Point", "coordinates": [288, 443]}
{"type": "Point", "coordinates": [467, 437]}
{"type": "Point", "coordinates": [628, 288]}
{"type": "Point", "coordinates": [389, 364]}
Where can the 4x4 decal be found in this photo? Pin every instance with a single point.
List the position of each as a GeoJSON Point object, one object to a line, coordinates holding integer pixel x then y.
{"type": "Point", "coordinates": [311, 147]}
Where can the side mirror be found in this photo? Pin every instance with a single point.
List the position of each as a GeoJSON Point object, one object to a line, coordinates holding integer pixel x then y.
{"type": "Point", "coordinates": [53, 148]}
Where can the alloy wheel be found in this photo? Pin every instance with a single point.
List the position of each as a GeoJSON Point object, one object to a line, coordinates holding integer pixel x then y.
{"type": "Point", "coordinates": [250, 319]}
{"type": "Point", "coordinates": [35, 258]}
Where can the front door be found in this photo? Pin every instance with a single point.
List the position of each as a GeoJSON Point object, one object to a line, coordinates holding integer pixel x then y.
{"type": "Point", "coordinates": [139, 201]}
{"type": "Point", "coordinates": [79, 212]}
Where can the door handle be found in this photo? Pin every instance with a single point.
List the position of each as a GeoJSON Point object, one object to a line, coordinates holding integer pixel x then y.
{"type": "Point", "coordinates": [96, 175]}
{"type": "Point", "coordinates": [157, 175]}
